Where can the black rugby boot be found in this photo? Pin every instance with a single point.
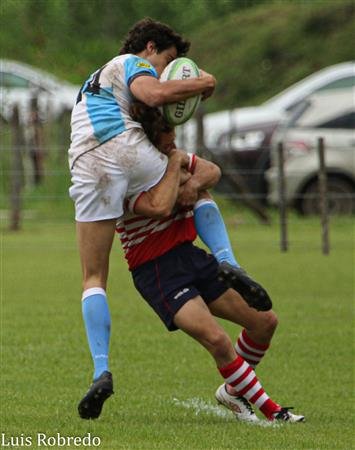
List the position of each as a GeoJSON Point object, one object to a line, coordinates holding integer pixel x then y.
{"type": "Point", "coordinates": [101, 389]}
{"type": "Point", "coordinates": [251, 291]}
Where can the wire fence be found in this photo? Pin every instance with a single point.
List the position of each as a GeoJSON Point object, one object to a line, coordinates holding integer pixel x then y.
{"type": "Point", "coordinates": [34, 170]}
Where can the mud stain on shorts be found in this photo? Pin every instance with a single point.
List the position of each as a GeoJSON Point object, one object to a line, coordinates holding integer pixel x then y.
{"type": "Point", "coordinates": [126, 158]}
{"type": "Point", "coordinates": [106, 200]}
{"type": "Point", "coordinates": [103, 181]}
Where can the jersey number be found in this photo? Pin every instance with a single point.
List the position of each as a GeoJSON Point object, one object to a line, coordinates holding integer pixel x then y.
{"type": "Point", "coordinates": [93, 87]}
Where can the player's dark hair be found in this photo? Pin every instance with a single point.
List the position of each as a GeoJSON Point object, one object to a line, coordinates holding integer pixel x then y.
{"type": "Point", "coordinates": [161, 34]}
{"type": "Point", "coordinates": [152, 121]}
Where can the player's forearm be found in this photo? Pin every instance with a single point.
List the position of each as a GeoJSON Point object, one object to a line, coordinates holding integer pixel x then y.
{"type": "Point", "coordinates": [206, 175]}
{"type": "Point", "coordinates": [159, 201]}
{"type": "Point", "coordinates": [154, 93]}
{"type": "Point", "coordinates": [176, 90]}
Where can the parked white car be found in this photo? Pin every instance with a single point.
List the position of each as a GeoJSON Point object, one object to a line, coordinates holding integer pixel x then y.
{"type": "Point", "coordinates": [19, 83]}
{"type": "Point", "coordinates": [329, 114]}
{"type": "Point", "coordinates": [271, 112]}
{"type": "Point", "coordinates": [242, 136]}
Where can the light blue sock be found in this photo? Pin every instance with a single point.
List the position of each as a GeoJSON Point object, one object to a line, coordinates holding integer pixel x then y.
{"type": "Point", "coordinates": [212, 231]}
{"type": "Point", "coordinates": [98, 325]}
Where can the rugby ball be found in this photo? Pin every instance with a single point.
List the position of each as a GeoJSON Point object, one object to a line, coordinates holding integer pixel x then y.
{"type": "Point", "coordinates": [180, 112]}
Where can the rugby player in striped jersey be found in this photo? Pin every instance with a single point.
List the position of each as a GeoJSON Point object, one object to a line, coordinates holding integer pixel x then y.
{"type": "Point", "coordinates": [181, 283]}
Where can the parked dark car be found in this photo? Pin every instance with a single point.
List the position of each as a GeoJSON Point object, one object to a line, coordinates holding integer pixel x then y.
{"type": "Point", "coordinates": [246, 152]}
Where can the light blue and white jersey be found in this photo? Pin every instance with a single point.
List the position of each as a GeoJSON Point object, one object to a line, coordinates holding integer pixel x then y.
{"type": "Point", "coordinates": [103, 105]}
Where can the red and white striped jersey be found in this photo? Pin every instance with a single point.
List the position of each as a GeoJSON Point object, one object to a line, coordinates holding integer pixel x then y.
{"type": "Point", "coordinates": [144, 239]}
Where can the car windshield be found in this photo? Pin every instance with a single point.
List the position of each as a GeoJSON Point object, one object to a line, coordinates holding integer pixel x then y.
{"type": "Point", "coordinates": [19, 75]}
{"type": "Point", "coordinates": [297, 113]}
{"type": "Point", "coordinates": [323, 108]}
{"type": "Point", "coordinates": [10, 80]}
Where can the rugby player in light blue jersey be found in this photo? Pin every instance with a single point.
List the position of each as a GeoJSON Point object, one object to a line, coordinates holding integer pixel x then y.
{"type": "Point", "coordinates": [110, 158]}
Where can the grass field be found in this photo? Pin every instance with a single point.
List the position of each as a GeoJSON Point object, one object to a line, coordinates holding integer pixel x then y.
{"type": "Point", "coordinates": [165, 383]}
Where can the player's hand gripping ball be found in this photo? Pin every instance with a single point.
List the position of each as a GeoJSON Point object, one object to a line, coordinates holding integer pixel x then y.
{"type": "Point", "coordinates": [180, 112]}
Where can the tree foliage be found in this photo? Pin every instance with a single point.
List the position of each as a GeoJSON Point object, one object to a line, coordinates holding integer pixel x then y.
{"type": "Point", "coordinates": [255, 47]}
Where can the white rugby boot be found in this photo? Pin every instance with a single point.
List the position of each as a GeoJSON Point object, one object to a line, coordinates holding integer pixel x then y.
{"type": "Point", "coordinates": [240, 407]}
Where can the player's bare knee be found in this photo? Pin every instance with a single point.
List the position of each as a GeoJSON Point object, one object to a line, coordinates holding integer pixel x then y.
{"type": "Point", "coordinates": [269, 323]}
{"type": "Point", "coordinates": [220, 344]}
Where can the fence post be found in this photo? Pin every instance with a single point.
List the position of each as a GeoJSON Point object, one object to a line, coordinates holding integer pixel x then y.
{"type": "Point", "coordinates": [200, 138]}
{"type": "Point", "coordinates": [323, 204]}
{"type": "Point", "coordinates": [16, 171]}
{"type": "Point", "coordinates": [36, 151]}
{"type": "Point", "coordinates": [282, 198]}
{"type": "Point", "coordinates": [63, 134]}
{"type": "Point", "coordinates": [232, 128]}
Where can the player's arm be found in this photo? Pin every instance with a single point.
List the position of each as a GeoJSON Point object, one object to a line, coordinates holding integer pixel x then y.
{"type": "Point", "coordinates": [160, 200]}
{"type": "Point", "coordinates": [205, 175]}
{"type": "Point", "coordinates": [152, 92]}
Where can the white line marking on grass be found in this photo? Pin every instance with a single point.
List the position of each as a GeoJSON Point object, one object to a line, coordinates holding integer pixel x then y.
{"type": "Point", "coordinates": [201, 406]}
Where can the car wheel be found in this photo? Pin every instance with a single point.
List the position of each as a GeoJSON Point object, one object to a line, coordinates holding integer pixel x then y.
{"type": "Point", "coordinates": [341, 197]}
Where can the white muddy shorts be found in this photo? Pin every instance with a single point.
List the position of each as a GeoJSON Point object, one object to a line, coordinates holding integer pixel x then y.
{"type": "Point", "coordinates": [121, 167]}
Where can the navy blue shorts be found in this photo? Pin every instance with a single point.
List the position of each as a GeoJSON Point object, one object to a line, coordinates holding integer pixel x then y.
{"type": "Point", "coordinates": [171, 280]}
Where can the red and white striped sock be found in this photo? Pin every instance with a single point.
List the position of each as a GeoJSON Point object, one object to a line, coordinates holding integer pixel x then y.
{"type": "Point", "coordinates": [242, 378]}
{"type": "Point", "coordinates": [249, 350]}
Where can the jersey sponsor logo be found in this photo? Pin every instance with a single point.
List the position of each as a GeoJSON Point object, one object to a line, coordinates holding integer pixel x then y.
{"type": "Point", "coordinates": [143, 64]}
